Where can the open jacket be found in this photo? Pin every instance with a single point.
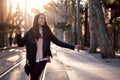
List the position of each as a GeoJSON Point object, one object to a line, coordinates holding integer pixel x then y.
{"type": "Point", "coordinates": [31, 46]}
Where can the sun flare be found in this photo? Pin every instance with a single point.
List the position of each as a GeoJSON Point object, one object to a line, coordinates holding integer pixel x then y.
{"type": "Point", "coordinates": [28, 4]}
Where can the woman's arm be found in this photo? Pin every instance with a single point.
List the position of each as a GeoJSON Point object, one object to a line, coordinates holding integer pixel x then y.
{"type": "Point", "coordinates": [20, 41]}
{"type": "Point", "coordinates": [62, 44]}
{"type": "Point", "coordinates": [55, 40]}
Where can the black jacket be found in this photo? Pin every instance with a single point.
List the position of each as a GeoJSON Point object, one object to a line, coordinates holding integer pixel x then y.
{"type": "Point", "coordinates": [31, 47]}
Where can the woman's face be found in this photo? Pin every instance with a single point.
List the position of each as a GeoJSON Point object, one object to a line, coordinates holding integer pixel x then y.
{"type": "Point", "coordinates": [41, 20]}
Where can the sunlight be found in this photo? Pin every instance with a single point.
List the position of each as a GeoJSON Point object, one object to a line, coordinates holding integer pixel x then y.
{"type": "Point", "coordinates": [39, 4]}
{"type": "Point", "coordinates": [83, 2]}
{"type": "Point", "coordinates": [28, 4]}
{"type": "Point", "coordinates": [11, 50]}
{"type": "Point", "coordinates": [14, 58]}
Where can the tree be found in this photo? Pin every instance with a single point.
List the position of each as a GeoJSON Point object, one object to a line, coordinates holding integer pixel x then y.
{"type": "Point", "coordinates": [98, 31]}
{"type": "Point", "coordinates": [50, 12]}
{"type": "Point", "coordinates": [15, 18]}
{"type": "Point", "coordinates": [92, 24]}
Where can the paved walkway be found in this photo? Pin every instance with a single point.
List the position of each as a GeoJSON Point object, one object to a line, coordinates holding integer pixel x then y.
{"type": "Point", "coordinates": [72, 65]}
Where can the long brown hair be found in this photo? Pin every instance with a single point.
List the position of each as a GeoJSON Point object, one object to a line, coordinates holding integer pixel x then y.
{"type": "Point", "coordinates": [35, 29]}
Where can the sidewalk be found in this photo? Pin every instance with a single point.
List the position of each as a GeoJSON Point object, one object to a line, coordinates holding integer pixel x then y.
{"type": "Point", "coordinates": [72, 65]}
{"type": "Point", "coordinates": [55, 69]}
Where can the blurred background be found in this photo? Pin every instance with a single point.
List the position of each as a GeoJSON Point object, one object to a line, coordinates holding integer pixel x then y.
{"type": "Point", "coordinates": [71, 21]}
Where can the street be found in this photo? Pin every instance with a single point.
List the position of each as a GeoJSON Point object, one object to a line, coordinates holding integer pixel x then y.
{"type": "Point", "coordinates": [11, 64]}
{"type": "Point", "coordinates": [82, 66]}
{"type": "Point", "coordinates": [66, 64]}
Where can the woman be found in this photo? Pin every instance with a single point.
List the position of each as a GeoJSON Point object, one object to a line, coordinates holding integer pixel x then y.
{"type": "Point", "coordinates": [37, 41]}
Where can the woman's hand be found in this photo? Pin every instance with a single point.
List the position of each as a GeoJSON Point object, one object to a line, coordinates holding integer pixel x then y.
{"type": "Point", "coordinates": [18, 31]}
{"type": "Point", "coordinates": [78, 46]}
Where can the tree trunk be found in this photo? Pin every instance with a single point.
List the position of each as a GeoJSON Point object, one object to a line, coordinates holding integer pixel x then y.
{"type": "Point", "coordinates": [92, 24]}
{"type": "Point", "coordinates": [100, 31]}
